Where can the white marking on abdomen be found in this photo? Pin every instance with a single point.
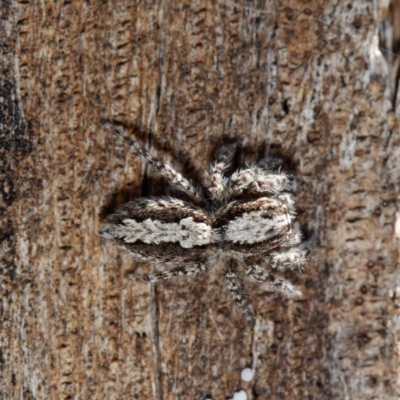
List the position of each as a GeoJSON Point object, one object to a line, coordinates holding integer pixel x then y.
{"type": "Point", "coordinates": [187, 232]}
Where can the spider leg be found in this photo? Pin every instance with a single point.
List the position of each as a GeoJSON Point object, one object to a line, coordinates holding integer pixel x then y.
{"type": "Point", "coordinates": [165, 170]}
{"type": "Point", "coordinates": [278, 283]}
{"type": "Point", "coordinates": [214, 180]}
{"type": "Point", "coordinates": [153, 277]}
{"type": "Point", "coordinates": [287, 259]}
{"type": "Point", "coordinates": [270, 163]}
{"type": "Point", "coordinates": [235, 286]}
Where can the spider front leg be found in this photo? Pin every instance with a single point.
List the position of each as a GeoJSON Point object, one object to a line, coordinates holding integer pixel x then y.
{"type": "Point", "coordinates": [263, 276]}
{"type": "Point", "coordinates": [165, 170]}
{"type": "Point", "coordinates": [153, 277]}
{"type": "Point", "coordinates": [214, 180]}
{"type": "Point", "coordinates": [235, 286]}
{"type": "Point", "coordinates": [288, 259]}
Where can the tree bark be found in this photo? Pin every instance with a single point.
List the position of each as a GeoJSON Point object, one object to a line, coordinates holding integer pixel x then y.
{"type": "Point", "coordinates": [302, 81]}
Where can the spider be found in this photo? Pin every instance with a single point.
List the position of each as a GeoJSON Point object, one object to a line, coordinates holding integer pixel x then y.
{"type": "Point", "coordinates": [246, 219]}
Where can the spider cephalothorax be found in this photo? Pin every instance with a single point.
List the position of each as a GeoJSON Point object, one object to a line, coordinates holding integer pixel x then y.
{"type": "Point", "coordinates": [247, 219]}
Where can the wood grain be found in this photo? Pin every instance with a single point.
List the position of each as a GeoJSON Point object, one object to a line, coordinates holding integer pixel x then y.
{"type": "Point", "coordinates": [303, 81]}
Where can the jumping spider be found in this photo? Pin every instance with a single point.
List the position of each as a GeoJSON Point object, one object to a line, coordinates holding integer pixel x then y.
{"type": "Point", "coordinates": [244, 219]}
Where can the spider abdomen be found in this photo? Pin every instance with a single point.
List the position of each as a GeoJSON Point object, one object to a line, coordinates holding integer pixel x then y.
{"type": "Point", "coordinates": [160, 228]}
{"type": "Point", "coordinates": [156, 220]}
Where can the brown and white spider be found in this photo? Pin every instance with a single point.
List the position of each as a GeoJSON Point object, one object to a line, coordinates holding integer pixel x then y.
{"type": "Point", "coordinates": [246, 219]}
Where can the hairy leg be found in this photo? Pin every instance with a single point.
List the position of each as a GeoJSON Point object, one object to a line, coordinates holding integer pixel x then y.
{"type": "Point", "coordinates": [214, 180]}
{"type": "Point", "coordinates": [153, 277]}
{"type": "Point", "coordinates": [165, 170]}
{"type": "Point", "coordinates": [280, 284]}
{"type": "Point", "coordinates": [235, 287]}
{"type": "Point", "coordinates": [288, 259]}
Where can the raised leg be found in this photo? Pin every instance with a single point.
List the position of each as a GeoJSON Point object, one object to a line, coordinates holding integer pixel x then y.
{"type": "Point", "coordinates": [189, 270]}
{"type": "Point", "coordinates": [214, 180]}
{"type": "Point", "coordinates": [270, 163]}
{"type": "Point", "coordinates": [235, 286]}
{"type": "Point", "coordinates": [276, 282]}
{"type": "Point", "coordinates": [165, 170]}
{"type": "Point", "coordinates": [287, 259]}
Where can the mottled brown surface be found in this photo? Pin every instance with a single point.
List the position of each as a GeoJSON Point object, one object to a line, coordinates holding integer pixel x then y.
{"type": "Point", "coordinates": [303, 81]}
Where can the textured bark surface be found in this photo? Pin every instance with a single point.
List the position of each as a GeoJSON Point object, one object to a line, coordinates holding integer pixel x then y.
{"type": "Point", "coordinates": [304, 81]}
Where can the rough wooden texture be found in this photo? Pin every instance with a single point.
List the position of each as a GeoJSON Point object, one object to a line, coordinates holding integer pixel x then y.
{"type": "Point", "coordinates": [304, 81]}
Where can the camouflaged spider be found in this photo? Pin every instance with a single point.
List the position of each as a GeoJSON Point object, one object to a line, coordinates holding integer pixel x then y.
{"type": "Point", "coordinates": [245, 219]}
